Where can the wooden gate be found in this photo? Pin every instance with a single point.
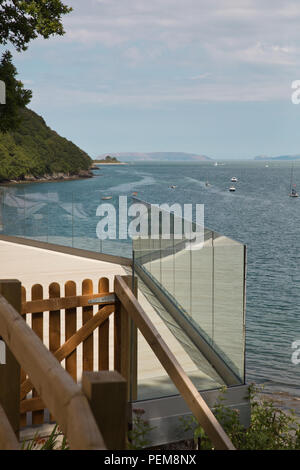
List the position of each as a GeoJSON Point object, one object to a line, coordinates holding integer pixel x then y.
{"type": "Point", "coordinates": [63, 323]}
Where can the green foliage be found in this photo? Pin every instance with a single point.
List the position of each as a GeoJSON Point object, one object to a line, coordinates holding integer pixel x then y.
{"type": "Point", "coordinates": [107, 159]}
{"type": "Point", "coordinates": [35, 149]}
{"type": "Point", "coordinates": [51, 443]}
{"type": "Point", "coordinates": [16, 96]}
{"type": "Point", "coordinates": [270, 428]}
{"type": "Point", "coordinates": [140, 429]}
{"type": "Point", "coordinates": [24, 20]}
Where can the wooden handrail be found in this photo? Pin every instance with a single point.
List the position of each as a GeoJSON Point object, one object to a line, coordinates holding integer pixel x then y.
{"type": "Point", "coordinates": [59, 392]}
{"type": "Point", "coordinates": [167, 359]}
{"type": "Point", "coordinates": [8, 439]}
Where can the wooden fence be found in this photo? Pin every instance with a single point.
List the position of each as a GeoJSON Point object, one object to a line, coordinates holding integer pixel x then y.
{"type": "Point", "coordinates": [71, 311]}
{"type": "Point", "coordinates": [93, 416]}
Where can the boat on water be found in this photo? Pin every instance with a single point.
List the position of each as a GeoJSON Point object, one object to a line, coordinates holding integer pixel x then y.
{"type": "Point", "coordinates": [207, 184]}
{"type": "Point", "coordinates": [232, 189]}
{"type": "Point", "coordinates": [234, 179]}
{"type": "Point", "coordinates": [106, 198]}
{"type": "Point", "coordinates": [293, 192]}
{"type": "Point", "coordinates": [172, 186]}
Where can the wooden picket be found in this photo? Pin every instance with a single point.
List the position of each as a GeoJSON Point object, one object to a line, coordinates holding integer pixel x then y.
{"type": "Point", "coordinates": [37, 327]}
{"type": "Point", "coordinates": [87, 314]}
{"type": "Point", "coordinates": [103, 331]}
{"type": "Point", "coordinates": [70, 329]}
{"type": "Point", "coordinates": [73, 336]}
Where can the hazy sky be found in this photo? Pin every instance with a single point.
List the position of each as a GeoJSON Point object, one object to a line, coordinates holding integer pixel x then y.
{"type": "Point", "coordinates": [206, 76]}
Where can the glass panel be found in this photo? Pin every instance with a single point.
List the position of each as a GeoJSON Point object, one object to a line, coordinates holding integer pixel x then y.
{"type": "Point", "coordinates": [205, 281]}
{"type": "Point", "coordinates": [60, 217]}
{"type": "Point", "coordinates": [228, 329]}
{"type": "Point", "coordinates": [153, 381]}
{"type": "Point", "coordinates": [202, 286]}
{"type": "Point", "coordinates": [182, 267]}
{"type": "Point", "coordinates": [13, 211]}
{"type": "Point", "coordinates": [85, 223]}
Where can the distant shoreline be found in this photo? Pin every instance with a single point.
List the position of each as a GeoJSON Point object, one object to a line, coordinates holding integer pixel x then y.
{"type": "Point", "coordinates": [109, 163]}
{"type": "Point", "coordinates": [59, 178]}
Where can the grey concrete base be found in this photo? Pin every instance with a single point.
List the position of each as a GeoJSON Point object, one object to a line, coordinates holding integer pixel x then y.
{"type": "Point", "coordinates": [165, 414]}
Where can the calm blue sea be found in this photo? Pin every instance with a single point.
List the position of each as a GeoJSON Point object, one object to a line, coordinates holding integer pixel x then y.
{"type": "Point", "coordinates": [259, 214]}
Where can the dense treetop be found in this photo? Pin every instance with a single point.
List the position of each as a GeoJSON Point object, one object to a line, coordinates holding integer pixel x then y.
{"type": "Point", "coordinates": [16, 96]}
{"type": "Point", "coordinates": [24, 20]}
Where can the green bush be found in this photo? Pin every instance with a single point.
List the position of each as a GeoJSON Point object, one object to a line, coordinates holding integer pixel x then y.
{"type": "Point", "coordinates": [270, 428]}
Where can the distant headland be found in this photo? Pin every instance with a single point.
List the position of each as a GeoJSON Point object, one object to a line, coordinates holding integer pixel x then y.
{"type": "Point", "coordinates": [108, 160]}
{"type": "Point", "coordinates": [153, 156]}
{"type": "Point", "coordinates": [280, 157]}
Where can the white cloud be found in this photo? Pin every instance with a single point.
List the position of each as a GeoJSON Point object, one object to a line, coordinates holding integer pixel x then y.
{"type": "Point", "coordinates": [239, 50]}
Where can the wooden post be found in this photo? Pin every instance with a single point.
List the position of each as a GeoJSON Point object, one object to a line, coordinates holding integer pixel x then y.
{"type": "Point", "coordinates": [125, 344]}
{"type": "Point", "coordinates": [134, 346]}
{"type": "Point", "coordinates": [8, 439]}
{"type": "Point", "coordinates": [106, 392]}
{"type": "Point", "coordinates": [10, 372]}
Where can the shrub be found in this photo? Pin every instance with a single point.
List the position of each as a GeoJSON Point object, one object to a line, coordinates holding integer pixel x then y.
{"type": "Point", "coordinates": [270, 428]}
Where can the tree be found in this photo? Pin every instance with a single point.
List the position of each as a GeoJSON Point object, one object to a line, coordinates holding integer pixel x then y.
{"type": "Point", "coordinates": [16, 96]}
{"type": "Point", "coordinates": [20, 22]}
{"type": "Point", "coordinates": [24, 20]}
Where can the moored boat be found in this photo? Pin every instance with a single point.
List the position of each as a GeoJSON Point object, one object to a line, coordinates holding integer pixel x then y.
{"type": "Point", "coordinates": [293, 192]}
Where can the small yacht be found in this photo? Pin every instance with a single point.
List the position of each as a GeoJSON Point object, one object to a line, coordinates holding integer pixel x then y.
{"type": "Point", "coordinates": [207, 184]}
{"type": "Point", "coordinates": [293, 193]}
{"type": "Point", "coordinates": [172, 186]}
{"type": "Point", "coordinates": [234, 179]}
{"type": "Point", "coordinates": [106, 198]}
{"type": "Point", "coordinates": [232, 189]}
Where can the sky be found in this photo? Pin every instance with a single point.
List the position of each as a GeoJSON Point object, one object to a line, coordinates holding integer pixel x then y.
{"type": "Point", "coordinates": [208, 77]}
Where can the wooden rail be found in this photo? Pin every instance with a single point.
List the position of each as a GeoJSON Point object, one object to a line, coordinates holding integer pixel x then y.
{"type": "Point", "coordinates": [167, 359]}
{"type": "Point", "coordinates": [61, 303]}
{"type": "Point", "coordinates": [57, 389]}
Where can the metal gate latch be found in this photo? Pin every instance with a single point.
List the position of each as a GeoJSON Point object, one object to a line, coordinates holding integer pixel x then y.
{"type": "Point", "coordinates": [103, 300]}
